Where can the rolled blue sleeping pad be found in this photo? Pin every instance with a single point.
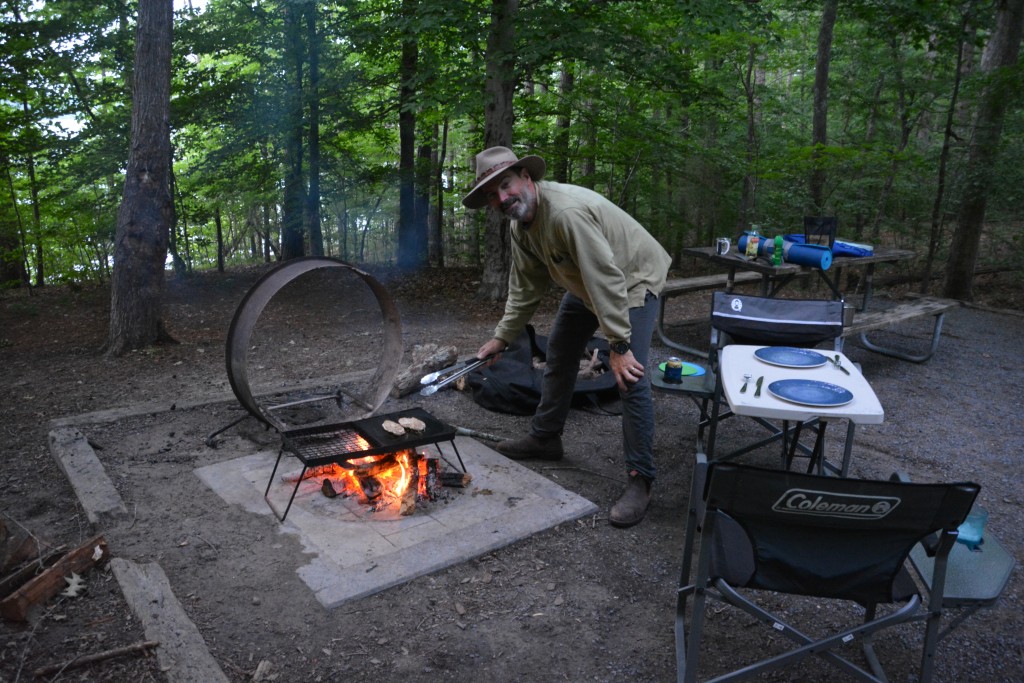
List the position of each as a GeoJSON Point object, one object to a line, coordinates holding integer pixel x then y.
{"type": "Point", "coordinates": [812, 255]}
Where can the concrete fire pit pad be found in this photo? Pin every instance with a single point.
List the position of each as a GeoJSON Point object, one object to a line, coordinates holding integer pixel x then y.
{"type": "Point", "coordinates": [355, 555]}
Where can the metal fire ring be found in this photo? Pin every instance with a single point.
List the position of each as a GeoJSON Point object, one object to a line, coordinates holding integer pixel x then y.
{"type": "Point", "coordinates": [256, 299]}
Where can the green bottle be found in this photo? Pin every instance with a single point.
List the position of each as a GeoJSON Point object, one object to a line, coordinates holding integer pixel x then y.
{"type": "Point", "coordinates": [777, 251]}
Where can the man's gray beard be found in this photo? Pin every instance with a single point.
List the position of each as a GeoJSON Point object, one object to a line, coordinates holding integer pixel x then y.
{"type": "Point", "coordinates": [519, 209]}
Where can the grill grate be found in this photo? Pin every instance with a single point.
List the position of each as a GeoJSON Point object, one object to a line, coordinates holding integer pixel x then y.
{"type": "Point", "coordinates": [329, 444]}
{"type": "Point", "coordinates": [339, 443]}
{"type": "Point", "coordinates": [335, 442]}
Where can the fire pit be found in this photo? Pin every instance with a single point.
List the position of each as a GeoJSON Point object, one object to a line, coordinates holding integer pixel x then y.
{"type": "Point", "coordinates": [370, 461]}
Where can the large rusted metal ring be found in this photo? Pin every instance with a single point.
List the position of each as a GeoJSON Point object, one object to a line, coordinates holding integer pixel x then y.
{"type": "Point", "coordinates": [256, 299]}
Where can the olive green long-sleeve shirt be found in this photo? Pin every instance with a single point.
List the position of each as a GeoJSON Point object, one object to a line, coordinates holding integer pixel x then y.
{"type": "Point", "coordinates": [586, 244]}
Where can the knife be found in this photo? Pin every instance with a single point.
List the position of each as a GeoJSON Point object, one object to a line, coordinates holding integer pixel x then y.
{"type": "Point", "coordinates": [839, 365]}
{"type": "Point", "coordinates": [757, 391]}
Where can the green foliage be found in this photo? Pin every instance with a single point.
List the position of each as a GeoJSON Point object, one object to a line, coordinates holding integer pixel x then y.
{"type": "Point", "coordinates": [673, 106]}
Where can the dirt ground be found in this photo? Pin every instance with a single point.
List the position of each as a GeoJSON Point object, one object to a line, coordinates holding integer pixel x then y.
{"type": "Point", "coordinates": [582, 601]}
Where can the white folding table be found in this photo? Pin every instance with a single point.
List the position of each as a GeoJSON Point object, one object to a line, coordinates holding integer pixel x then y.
{"type": "Point", "coordinates": [864, 408]}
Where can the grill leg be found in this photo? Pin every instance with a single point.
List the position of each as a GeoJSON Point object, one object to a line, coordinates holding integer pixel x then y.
{"type": "Point", "coordinates": [457, 455]}
{"type": "Point", "coordinates": [266, 494]}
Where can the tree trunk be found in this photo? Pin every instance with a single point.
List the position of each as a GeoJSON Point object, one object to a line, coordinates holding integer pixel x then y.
{"type": "Point", "coordinates": [562, 125]}
{"type": "Point", "coordinates": [316, 238]}
{"type": "Point", "coordinates": [498, 120]}
{"type": "Point", "coordinates": [1000, 56]}
{"type": "Point", "coordinates": [292, 238]}
{"type": "Point", "coordinates": [819, 134]}
{"type": "Point", "coordinates": [748, 194]}
{"type": "Point", "coordinates": [423, 186]}
{"type": "Point", "coordinates": [412, 233]}
{"type": "Point", "coordinates": [935, 231]}
{"type": "Point", "coordinates": [436, 244]}
{"type": "Point", "coordinates": [13, 256]}
{"type": "Point", "coordinates": [146, 212]}
{"type": "Point", "coordinates": [220, 239]}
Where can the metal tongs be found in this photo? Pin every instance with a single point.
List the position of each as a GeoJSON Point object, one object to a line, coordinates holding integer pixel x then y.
{"type": "Point", "coordinates": [458, 370]}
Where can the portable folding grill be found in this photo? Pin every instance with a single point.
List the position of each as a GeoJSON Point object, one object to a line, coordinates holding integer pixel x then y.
{"type": "Point", "coordinates": [337, 444]}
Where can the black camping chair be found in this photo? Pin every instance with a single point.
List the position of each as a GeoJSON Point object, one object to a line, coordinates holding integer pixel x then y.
{"type": "Point", "coordinates": [768, 534]}
{"type": "Point", "coordinates": [820, 230]}
{"type": "Point", "coordinates": [745, 319]}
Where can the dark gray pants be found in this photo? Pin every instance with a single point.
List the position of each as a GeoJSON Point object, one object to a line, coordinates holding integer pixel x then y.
{"type": "Point", "coordinates": [574, 326]}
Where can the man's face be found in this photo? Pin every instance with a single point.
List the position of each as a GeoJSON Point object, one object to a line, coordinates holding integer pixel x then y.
{"type": "Point", "coordinates": [514, 195]}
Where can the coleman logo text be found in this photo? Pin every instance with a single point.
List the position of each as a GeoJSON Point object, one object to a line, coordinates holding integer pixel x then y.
{"type": "Point", "coordinates": [827, 504]}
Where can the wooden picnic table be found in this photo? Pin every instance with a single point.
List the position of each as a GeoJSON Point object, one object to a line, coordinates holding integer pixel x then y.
{"type": "Point", "coordinates": [774, 278]}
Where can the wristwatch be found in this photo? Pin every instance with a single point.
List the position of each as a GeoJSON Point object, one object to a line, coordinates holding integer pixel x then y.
{"type": "Point", "coordinates": [620, 348]}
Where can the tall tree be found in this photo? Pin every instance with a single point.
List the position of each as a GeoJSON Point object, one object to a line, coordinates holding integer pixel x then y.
{"type": "Point", "coordinates": [412, 225]}
{"type": "Point", "coordinates": [819, 135]}
{"type": "Point", "coordinates": [316, 237]}
{"type": "Point", "coordinates": [292, 233]}
{"type": "Point", "coordinates": [1000, 57]}
{"type": "Point", "coordinates": [147, 211]}
{"type": "Point", "coordinates": [498, 119]}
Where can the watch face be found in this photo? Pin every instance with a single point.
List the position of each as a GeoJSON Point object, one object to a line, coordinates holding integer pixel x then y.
{"type": "Point", "coordinates": [620, 347]}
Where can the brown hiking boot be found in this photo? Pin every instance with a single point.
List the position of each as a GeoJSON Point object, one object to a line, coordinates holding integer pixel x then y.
{"type": "Point", "coordinates": [632, 505]}
{"type": "Point", "coordinates": [530, 447]}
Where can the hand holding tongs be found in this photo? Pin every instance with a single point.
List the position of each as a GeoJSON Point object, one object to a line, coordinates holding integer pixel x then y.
{"type": "Point", "coordinates": [457, 371]}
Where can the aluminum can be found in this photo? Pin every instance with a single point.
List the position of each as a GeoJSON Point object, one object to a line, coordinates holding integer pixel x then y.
{"type": "Point", "coordinates": [674, 370]}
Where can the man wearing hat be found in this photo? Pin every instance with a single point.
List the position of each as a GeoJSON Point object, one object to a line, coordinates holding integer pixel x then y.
{"type": "Point", "coordinates": [612, 270]}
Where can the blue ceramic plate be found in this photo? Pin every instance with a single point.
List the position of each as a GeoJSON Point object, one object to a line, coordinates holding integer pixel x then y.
{"type": "Point", "coordinates": [790, 357]}
{"type": "Point", "coordinates": [689, 369]}
{"type": "Point", "coordinates": [810, 392]}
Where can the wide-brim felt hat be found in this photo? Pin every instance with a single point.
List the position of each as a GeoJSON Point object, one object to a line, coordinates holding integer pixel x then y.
{"type": "Point", "coordinates": [494, 161]}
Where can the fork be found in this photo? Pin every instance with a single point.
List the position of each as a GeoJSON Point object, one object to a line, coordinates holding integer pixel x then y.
{"type": "Point", "coordinates": [746, 379]}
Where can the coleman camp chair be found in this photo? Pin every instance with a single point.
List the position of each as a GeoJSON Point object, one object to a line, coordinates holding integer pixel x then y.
{"type": "Point", "coordinates": [744, 319]}
{"type": "Point", "coordinates": [769, 535]}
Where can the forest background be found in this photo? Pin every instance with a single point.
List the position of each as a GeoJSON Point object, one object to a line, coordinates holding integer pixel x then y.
{"type": "Point", "coordinates": [348, 129]}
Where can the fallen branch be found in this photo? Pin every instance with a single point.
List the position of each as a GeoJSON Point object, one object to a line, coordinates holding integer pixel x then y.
{"type": "Point", "coordinates": [79, 662]}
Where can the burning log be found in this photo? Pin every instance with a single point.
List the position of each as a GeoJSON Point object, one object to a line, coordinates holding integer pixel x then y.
{"type": "Point", "coordinates": [458, 480]}
{"type": "Point", "coordinates": [433, 484]}
{"type": "Point", "coordinates": [327, 488]}
{"type": "Point", "coordinates": [407, 505]}
{"type": "Point", "coordinates": [371, 486]}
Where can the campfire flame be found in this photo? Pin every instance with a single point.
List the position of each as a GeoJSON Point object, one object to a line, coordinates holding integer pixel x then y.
{"type": "Point", "coordinates": [381, 480]}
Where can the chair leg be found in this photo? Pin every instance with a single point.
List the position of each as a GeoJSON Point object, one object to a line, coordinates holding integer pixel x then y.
{"type": "Point", "coordinates": [687, 652]}
{"type": "Point", "coordinates": [694, 512]}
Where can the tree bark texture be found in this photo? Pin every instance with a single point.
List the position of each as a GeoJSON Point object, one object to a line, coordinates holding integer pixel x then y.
{"type": "Point", "coordinates": [293, 202]}
{"type": "Point", "coordinates": [412, 232]}
{"type": "Point", "coordinates": [146, 213]}
{"type": "Point", "coordinates": [562, 125]}
{"type": "Point", "coordinates": [819, 119]}
{"type": "Point", "coordinates": [498, 121]}
{"type": "Point", "coordinates": [999, 58]}
{"type": "Point", "coordinates": [316, 237]}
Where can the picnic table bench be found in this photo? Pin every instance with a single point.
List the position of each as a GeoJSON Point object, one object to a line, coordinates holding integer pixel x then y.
{"type": "Point", "coordinates": [687, 285]}
{"type": "Point", "coordinates": [902, 311]}
{"type": "Point", "coordinates": [864, 321]}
